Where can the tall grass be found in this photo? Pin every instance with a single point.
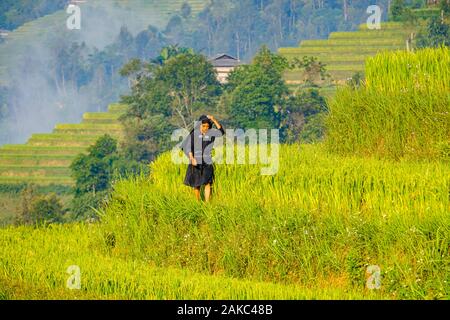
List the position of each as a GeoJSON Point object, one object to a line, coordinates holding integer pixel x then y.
{"type": "Point", "coordinates": [308, 232]}
{"type": "Point", "coordinates": [403, 111]}
{"type": "Point", "coordinates": [427, 70]}
{"type": "Point", "coordinates": [319, 223]}
{"type": "Point", "coordinates": [33, 265]}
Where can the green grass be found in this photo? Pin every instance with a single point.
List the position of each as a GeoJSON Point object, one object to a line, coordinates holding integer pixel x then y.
{"type": "Point", "coordinates": [369, 42]}
{"type": "Point", "coordinates": [101, 118]}
{"type": "Point", "coordinates": [39, 180]}
{"type": "Point", "coordinates": [368, 35]}
{"type": "Point", "coordinates": [386, 26]}
{"type": "Point", "coordinates": [344, 53]}
{"type": "Point", "coordinates": [90, 126]}
{"type": "Point", "coordinates": [321, 220]}
{"type": "Point", "coordinates": [426, 70]}
{"type": "Point", "coordinates": [308, 232]}
{"type": "Point", "coordinates": [351, 49]}
{"type": "Point", "coordinates": [36, 160]}
{"type": "Point", "coordinates": [403, 111]}
{"type": "Point", "coordinates": [34, 171]}
{"type": "Point", "coordinates": [117, 108]}
{"type": "Point", "coordinates": [33, 264]}
{"type": "Point", "coordinates": [62, 137]}
{"type": "Point", "coordinates": [26, 150]}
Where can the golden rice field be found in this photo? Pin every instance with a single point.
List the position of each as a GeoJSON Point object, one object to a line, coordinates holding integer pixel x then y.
{"type": "Point", "coordinates": [309, 232]}
{"type": "Point", "coordinates": [403, 111]}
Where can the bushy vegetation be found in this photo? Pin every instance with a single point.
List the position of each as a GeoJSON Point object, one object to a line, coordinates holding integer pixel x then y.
{"type": "Point", "coordinates": [436, 34]}
{"type": "Point", "coordinates": [39, 209]}
{"type": "Point", "coordinates": [94, 174]}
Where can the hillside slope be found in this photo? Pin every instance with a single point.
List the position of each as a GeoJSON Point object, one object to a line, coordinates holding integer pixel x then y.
{"type": "Point", "coordinates": [105, 24]}
{"type": "Point", "coordinates": [45, 158]}
{"type": "Point", "coordinates": [345, 53]}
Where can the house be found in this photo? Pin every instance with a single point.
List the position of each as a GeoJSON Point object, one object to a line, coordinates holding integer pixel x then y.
{"type": "Point", "coordinates": [4, 33]}
{"type": "Point", "coordinates": [224, 64]}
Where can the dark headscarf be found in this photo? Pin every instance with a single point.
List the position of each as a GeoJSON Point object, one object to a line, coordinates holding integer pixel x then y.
{"type": "Point", "coordinates": [204, 119]}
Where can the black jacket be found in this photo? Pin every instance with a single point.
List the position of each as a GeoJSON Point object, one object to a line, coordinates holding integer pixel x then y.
{"type": "Point", "coordinates": [201, 145]}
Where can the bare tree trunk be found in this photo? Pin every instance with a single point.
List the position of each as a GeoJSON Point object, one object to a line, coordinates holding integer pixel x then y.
{"type": "Point", "coordinates": [346, 10]}
{"type": "Point", "coordinates": [63, 83]}
{"type": "Point", "coordinates": [238, 46]}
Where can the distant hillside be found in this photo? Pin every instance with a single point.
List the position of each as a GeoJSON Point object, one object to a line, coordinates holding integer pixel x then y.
{"type": "Point", "coordinates": [101, 22]}
{"type": "Point", "coordinates": [45, 158]}
{"type": "Point", "coordinates": [14, 13]}
{"type": "Point", "coordinates": [345, 53]}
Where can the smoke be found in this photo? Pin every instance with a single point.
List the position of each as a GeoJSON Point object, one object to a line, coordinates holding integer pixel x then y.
{"type": "Point", "coordinates": [39, 97]}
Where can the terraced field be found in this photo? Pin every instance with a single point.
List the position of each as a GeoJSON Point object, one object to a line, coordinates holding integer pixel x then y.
{"type": "Point", "coordinates": [345, 53]}
{"type": "Point", "coordinates": [45, 158]}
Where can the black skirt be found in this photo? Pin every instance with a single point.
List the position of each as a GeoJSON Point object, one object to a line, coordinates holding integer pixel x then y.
{"type": "Point", "coordinates": [197, 176]}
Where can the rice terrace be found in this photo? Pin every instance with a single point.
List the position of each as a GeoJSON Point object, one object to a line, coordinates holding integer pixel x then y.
{"type": "Point", "coordinates": [358, 209]}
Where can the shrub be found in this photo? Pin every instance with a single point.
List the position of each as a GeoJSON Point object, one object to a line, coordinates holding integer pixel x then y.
{"type": "Point", "coordinates": [40, 209]}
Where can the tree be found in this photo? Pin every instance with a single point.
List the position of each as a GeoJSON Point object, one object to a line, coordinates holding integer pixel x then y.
{"type": "Point", "coordinates": [437, 34]}
{"type": "Point", "coordinates": [186, 10]}
{"type": "Point", "coordinates": [177, 86]}
{"type": "Point", "coordinates": [40, 209]}
{"type": "Point", "coordinates": [95, 172]}
{"type": "Point", "coordinates": [192, 84]}
{"type": "Point", "coordinates": [171, 52]}
{"type": "Point", "coordinates": [445, 7]}
{"type": "Point", "coordinates": [303, 118]}
{"type": "Point", "coordinates": [397, 9]}
{"type": "Point", "coordinates": [313, 70]}
{"type": "Point", "coordinates": [92, 172]}
{"type": "Point", "coordinates": [258, 91]}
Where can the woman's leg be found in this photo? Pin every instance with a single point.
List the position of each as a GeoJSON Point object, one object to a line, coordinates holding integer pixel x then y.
{"type": "Point", "coordinates": [207, 192]}
{"type": "Point", "coordinates": [197, 193]}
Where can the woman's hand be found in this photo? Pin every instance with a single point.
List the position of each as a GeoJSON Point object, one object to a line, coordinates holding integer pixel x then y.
{"type": "Point", "coordinates": [218, 125]}
{"type": "Point", "coordinates": [192, 159]}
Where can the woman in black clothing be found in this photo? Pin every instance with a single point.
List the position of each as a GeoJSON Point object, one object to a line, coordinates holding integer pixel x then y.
{"type": "Point", "coordinates": [198, 146]}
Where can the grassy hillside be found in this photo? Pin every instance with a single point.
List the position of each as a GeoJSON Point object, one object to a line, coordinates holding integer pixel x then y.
{"type": "Point", "coordinates": [345, 53]}
{"type": "Point", "coordinates": [108, 277]}
{"type": "Point", "coordinates": [136, 14]}
{"type": "Point", "coordinates": [45, 158]}
{"type": "Point", "coordinates": [311, 231]}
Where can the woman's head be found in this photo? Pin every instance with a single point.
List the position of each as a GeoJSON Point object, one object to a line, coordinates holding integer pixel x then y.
{"type": "Point", "coordinates": [205, 123]}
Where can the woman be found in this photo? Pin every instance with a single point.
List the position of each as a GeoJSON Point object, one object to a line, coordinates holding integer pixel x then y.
{"type": "Point", "coordinates": [198, 146]}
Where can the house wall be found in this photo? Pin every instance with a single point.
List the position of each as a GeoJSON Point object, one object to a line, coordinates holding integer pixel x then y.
{"type": "Point", "coordinates": [222, 73]}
